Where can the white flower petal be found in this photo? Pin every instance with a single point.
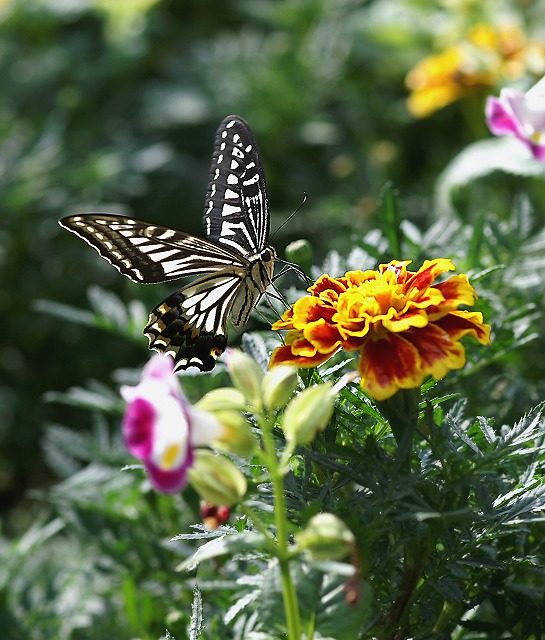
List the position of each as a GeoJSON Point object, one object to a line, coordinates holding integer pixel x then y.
{"type": "Point", "coordinates": [170, 435]}
{"type": "Point", "coordinates": [204, 427]}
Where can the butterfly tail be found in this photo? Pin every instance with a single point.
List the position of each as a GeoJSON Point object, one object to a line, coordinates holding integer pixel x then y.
{"type": "Point", "coordinates": [169, 330]}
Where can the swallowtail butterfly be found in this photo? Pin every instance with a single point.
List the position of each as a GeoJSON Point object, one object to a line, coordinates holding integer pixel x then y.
{"type": "Point", "coordinates": [234, 263]}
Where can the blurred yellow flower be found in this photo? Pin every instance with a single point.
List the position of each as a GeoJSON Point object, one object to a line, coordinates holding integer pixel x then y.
{"type": "Point", "coordinates": [485, 57]}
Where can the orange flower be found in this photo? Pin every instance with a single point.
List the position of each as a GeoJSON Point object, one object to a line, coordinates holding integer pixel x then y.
{"type": "Point", "coordinates": [404, 326]}
{"type": "Point", "coordinates": [486, 56]}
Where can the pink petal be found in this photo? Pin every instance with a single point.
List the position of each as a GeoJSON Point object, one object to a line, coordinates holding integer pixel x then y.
{"type": "Point", "coordinates": [137, 427]}
{"type": "Point", "coordinates": [500, 118]}
{"type": "Point", "coordinates": [170, 481]}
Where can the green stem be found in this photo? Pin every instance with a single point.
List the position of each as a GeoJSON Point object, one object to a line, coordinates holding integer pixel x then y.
{"type": "Point", "coordinates": [276, 472]}
{"type": "Point", "coordinates": [416, 554]}
{"type": "Point", "coordinates": [449, 610]}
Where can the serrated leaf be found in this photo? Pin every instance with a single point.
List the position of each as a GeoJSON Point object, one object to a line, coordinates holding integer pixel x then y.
{"type": "Point", "coordinates": [226, 545]}
{"type": "Point", "coordinates": [108, 306]}
{"type": "Point", "coordinates": [196, 625]}
{"type": "Point", "coordinates": [66, 312]}
{"type": "Point", "coordinates": [322, 601]}
{"type": "Point", "coordinates": [101, 398]}
{"type": "Point", "coordinates": [254, 345]}
{"type": "Point", "coordinates": [241, 604]}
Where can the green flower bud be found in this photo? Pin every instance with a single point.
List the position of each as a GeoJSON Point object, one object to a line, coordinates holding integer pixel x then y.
{"type": "Point", "coordinates": [308, 413]}
{"type": "Point", "coordinates": [278, 386]}
{"type": "Point", "coordinates": [326, 537]}
{"type": "Point", "coordinates": [300, 252]}
{"type": "Point", "coordinates": [246, 375]}
{"type": "Point", "coordinates": [216, 479]}
{"type": "Point", "coordinates": [222, 398]}
{"type": "Point", "coordinates": [236, 434]}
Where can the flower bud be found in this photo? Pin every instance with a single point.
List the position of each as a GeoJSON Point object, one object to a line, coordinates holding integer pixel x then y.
{"type": "Point", "coordinates": [278, 386]}
{"type": "Point", "coordinates": [308, 413]}
{"type": "Point", "coordinates": [246, 375]}
{"type": "Point", "coordinates": [326, 537]}
{"type": "Point", "coordinates": [222, 398]}
{"type": "Point", "coordinates": [212, 516]}
{"type": "Point", "coordinates": [216, 479]}
{"type": "Point", "coordinates": [236, 433]}
{"type": "Point", "coordinates": [300, 252]}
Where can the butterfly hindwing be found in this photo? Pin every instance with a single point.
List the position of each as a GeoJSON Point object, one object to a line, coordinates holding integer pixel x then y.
{"type": "Point", "coordinates": [191, 324]}
{"type": "Point", "coordinates": [236, 211]}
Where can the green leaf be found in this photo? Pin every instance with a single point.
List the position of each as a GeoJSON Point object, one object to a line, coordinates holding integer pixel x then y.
{"type": "Point", "coordinates": [480, 159]}
{"type": "Point", "coordinates": [226, 545]}
{"type": "Point", "coordinates": [196, 624]}
{"type": "Point", "coordinates": [322, 602]}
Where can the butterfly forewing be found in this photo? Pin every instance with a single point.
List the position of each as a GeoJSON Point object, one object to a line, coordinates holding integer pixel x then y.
{"type": "Point", "coordinates": [191, 324]}
{"type": "Point", "coordinates": [236, 212]}
{"type": "Point", "coordinates": [149, 253]}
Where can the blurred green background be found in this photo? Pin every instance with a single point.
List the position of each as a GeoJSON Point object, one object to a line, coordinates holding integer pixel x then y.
{"type": "Point", "coordinates": [112, 105]}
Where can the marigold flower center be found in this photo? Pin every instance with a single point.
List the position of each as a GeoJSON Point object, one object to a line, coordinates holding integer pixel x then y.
{"type": "Point", "coordinates": [369, 299]}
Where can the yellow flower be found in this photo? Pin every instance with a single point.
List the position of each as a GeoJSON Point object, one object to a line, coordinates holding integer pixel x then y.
{"type": "Point", "coordinates": [404, 326]}
{"type": "Point", "coordinates": [486, 56]}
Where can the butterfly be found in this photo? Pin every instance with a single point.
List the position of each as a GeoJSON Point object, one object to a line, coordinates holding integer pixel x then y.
{"type": "Point", "coordinates": [234, 264]}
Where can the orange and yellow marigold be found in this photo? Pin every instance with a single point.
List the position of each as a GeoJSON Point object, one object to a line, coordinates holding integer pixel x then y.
{"type": "Point", "coordinates": [405, 326]}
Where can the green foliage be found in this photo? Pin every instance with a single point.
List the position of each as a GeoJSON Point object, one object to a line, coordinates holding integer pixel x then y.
{"type": "Point", "coordinates": [112, 106]}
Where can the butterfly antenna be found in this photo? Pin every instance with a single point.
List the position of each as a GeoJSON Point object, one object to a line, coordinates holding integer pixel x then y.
{"type": "Point", "coordinates": [303, 201]}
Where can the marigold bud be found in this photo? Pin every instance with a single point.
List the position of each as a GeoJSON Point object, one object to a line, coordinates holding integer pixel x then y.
{"type": "Point", "coordinates": [300, 252]}
{"type": "Point", "coordinates": [222, 398]}
{"type": "Point", "coordinates": [216, 479]}
{"type": "Point", "coordinates": [326, 537]}
{"type": "Point", "coordinates": [236, 434]}
{"type": "Point", "coordinates": [278, 386]}
{"type": "Point", "coordinates": [246, 375]}
{"type": "Point", "coordinates": [308, 413]}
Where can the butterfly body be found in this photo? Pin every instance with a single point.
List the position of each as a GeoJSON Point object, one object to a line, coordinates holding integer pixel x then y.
{"type": "Point", "coordinates": [234, 265]}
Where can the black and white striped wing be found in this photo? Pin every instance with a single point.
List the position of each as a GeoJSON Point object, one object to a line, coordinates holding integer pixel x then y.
{"type": "Point", "coordinates": [149, 253]}
{"type": "Point", "coordinates": [191, 324]}
{"type": "Point", "coordinates": [236, 213]}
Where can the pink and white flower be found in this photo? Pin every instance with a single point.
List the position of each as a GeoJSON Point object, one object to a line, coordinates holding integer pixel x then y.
{"type": "Point", "coordinates": [161, 428]}
{"type": "Point", "coordinates": [521, 115]}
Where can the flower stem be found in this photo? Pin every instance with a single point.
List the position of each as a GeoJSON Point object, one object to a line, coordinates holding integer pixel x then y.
{"type": "Point", "coordinates": [276, 472]}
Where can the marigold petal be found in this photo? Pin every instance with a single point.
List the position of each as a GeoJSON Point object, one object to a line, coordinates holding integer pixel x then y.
{"type": "Point", "coordinates": [285, 322]}
{"type": "Point", "coordinates": [323, 336]}
{"type": "Point", "coordinates": [428, 272]}
{"type": "Point", "coordinates": [325, 283]}
{"type": "Point", "coordinates": [416, 318]}
{"type": "Point", "coordinates": [439, 351]}
{"type": "Point", "coordinates": [389, 364]}
{"type": "Point", "coordinates": [423, 102]}
{"type": "Point", "coordinates": [457, 290]}
{"type": "Point", "coordinates": [310, 309]}
{"type": "Point", "coordinates": [358, 277]}
{"type": "Point", "coordinates": [460, 323]}
{"type": "Point", "coordinates": [284, 355]}
{"type": "Point", "coordinates": [398, 267]}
